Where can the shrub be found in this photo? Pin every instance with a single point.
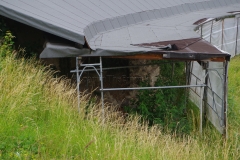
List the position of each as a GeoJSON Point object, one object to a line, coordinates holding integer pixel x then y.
{"type": "Point", "coordinates": [166, 107]}
{"type": "Point", "coordinates": [6, 40]}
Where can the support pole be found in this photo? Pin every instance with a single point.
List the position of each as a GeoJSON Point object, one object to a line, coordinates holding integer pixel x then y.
{"type": "Point", "coordinates": [203, 79]}
{"type": "Point", "coordinates": [222, 34]}
{"type": "Point", "coordinates": [190, 71]}
{"type": "Point", "coordinates": [225, 99]}
{"type": "Point", "coordinates": [201, 109]}
{"type": "Point", "coordinates": [78, 83]}
{"type": "Point", "coordinates": [205, 92]}
{"type": "Point", "coordinates": [211, 32]}
{"type": "Point", "coordinates": [101, 80]}
{"type": "Point", "coordinates": [173, 64]}
{"type": "Point", "coordinates": [158, 87]}
{"type": "Point", "coordinates": [88, 75]}
{"type": "Point", "coordinates": [186, 90]}
{"type": "Point", "coordinates": [79, 74]}
{"type": "Point", "coordinates": [188, 81]}
{"type": "Point", "coordinates": [236, 47]}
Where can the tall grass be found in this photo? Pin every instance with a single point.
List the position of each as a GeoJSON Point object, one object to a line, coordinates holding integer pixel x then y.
{"type": "Point", "coordinates": [39, 120]}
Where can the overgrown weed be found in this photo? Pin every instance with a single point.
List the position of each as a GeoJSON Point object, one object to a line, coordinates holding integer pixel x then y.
{"type": "Point", "coordinates": [40, 120]}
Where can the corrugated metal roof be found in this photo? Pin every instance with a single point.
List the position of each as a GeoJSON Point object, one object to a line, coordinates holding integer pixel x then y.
{"type": "Point", "coordinates": [113, 26]}
{"type": "Point", "coordinates": [174, 27]}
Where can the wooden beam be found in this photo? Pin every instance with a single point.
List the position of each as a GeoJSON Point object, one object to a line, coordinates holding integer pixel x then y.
{"type": "Point", "coordinates": [218, 59]}
{"type": "Point", "coordinates": [160, 57]}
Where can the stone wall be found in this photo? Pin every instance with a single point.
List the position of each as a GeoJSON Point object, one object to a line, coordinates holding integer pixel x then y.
{"type": "Point", "coordinates": [142, 73]}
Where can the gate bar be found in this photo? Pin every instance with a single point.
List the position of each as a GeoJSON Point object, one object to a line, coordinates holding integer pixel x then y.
{"type": "Point", "coordinates": [160, 87]}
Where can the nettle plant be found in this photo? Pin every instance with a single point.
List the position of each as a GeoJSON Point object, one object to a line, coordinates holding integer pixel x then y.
{"type": "Point", "coordinates": [166, 107]}
{"type": "Point", "coordinates": [6, 39]}
{"type": "Point", "coordinates": [7, 44]}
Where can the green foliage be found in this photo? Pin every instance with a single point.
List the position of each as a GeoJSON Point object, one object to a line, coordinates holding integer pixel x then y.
{"type": "Point", "coordinates": [19, 147]}
{"type": "Point", "coordinates": [166, 107]}
{"type": "Point", "coordinates": [6, 40]}
{"type": "Point", "coordinates": [6, 44]}
{"type": "Point", "coordinates": [39, 120]}
{"type": "Point", "coordinates": [233, 95]}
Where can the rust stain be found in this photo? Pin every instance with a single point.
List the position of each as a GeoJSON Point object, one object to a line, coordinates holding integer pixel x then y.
{"type": "Point", "coordinates": [200, 21]}
{"type": "Point", "coordinates": [152, 56]}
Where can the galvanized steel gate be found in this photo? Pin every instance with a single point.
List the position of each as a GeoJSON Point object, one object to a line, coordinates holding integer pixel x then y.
{"type": "Point", "coordinates": [206, 84]}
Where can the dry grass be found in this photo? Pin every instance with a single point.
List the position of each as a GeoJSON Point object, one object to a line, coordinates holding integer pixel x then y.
{"type": "Point", "coordinates": [39, 120]}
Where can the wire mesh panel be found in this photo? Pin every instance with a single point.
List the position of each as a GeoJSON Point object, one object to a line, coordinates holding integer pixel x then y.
{"type": "Point", "coordinates": [214, 92]}
{"type": "Point", "coordinates": [224, 34]}
{"type": "Point", "coordinates": [196, 77]}
{"type": "Point", "coordinates": [215, 95]}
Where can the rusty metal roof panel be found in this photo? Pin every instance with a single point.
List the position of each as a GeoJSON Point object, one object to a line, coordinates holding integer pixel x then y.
{"type": "Point", "coordinates": [188, 49]}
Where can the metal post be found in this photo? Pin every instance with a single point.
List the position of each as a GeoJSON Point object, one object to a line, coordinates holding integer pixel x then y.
{"type": "Point", "coordinates": [201, 109]}
{"type": "Point", "coordinates": [112, 68]}
{"type": "Point", "coordinates": [187, 65]}
{"type": "Point", "coordinates": [101, 80]}
{"type": "Point", "coordinates": [211, 32]}
{"type": "Point", "coordinates": [88, 76]}
{"type": "Point", "coordinates": [201, 101]}
{"type": "Point", "coordinates": [78, 83]}
{"type": "Point", "coordinates": [222, 34]}
{"type": "Point", "coordinates": [172, 70]}
{"type": "Point", "coordinates": [206, 91]}
{"type": "Point", "coordinates": [225, 98]}
{"type": "Point", "coordinates": [157, 87]}
{"type": "Point", "coordinates": [236, 47]}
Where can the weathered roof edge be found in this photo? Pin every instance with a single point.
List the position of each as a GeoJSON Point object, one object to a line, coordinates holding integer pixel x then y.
{"type": "Point", "coordinates": [41, 25]}
{"type": "Point", "coordinates": [110, 24]}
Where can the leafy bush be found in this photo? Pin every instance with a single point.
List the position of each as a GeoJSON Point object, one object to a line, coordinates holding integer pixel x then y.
{"type": "Point", "coordinates": [166, 107]}
{"type": "Point", "coordinates": [28, 49]}
{"type": "Point", "coordinates": [6, 44]}
{"type": "Point", "coordinates": [6, 40]}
